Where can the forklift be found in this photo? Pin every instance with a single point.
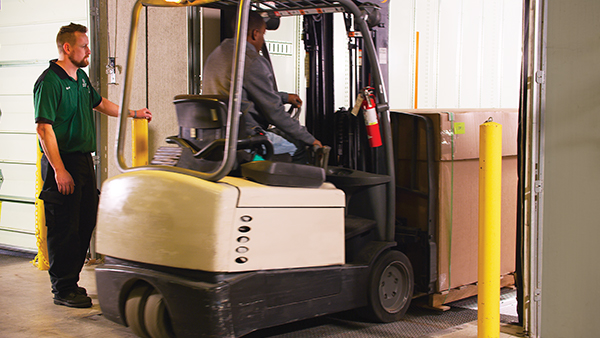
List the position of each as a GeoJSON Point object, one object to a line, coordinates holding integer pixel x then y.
{"type": "Point", "coordinates": [201, 243]}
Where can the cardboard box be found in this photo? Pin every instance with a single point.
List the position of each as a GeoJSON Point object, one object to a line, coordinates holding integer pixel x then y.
{"type": "Point", "coordinates": [459, 221]}
{"type": "Point", "coordinates": [457, 185]}
{"type": "Point", "coordinates": [456, 131]}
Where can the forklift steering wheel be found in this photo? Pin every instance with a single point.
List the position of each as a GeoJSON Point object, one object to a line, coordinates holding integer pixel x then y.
{"type": "Point", "coordinates": [294, 112]}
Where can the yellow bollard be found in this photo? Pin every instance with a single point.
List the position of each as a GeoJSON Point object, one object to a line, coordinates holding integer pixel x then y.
{"type": "Point", "coordinates": [41, 259]}
{"type": "Point", "coordinates": [139, 142]}
{"type": "Point", "coordinates": [490, 198]}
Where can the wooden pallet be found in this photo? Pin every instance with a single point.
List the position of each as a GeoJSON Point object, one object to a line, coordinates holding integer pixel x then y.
{"type": "Point", "coordinates": [437, 300]}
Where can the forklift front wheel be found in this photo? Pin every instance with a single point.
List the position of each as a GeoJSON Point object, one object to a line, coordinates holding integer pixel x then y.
{"type": "Point", "coordinates": [390, 287]}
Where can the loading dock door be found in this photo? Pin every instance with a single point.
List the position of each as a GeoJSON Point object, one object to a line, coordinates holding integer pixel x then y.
{"type": "Point", "coordinates": [27, 41]}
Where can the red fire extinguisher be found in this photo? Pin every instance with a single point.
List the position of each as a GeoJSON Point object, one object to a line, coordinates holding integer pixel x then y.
{"type": "Point", "coordinates": [370, 114]}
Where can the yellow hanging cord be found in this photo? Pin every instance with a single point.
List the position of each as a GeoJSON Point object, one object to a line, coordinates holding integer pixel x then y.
{"type": "Point", "coordinates": [41, 259]}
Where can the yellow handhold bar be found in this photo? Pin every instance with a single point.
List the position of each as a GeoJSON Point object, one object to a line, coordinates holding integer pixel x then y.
{"type": "Point", "coordinates": [139, 142]}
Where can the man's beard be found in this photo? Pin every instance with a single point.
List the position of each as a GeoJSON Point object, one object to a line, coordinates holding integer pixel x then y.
{"type": "Point", "coordinates": [79, 63]}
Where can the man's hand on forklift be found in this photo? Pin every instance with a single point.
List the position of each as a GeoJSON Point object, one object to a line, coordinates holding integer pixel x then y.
{"type": "Point", "coordinates": [294, 100]}
{"type": "Point", "coordinates": [143, 113]}
{"type": "Point", "coordinates": [317, 143]}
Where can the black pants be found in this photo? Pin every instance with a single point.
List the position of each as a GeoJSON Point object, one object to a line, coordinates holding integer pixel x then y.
{"type": "Point", "coordinates": [70, 220]}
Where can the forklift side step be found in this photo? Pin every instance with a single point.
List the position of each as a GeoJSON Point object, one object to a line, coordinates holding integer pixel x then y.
{"type": "Point", "coordinates": [355, 226]}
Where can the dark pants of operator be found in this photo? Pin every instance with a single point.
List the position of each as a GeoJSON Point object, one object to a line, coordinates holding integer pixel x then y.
{"type": "Point", "coordinates": [70, 220]}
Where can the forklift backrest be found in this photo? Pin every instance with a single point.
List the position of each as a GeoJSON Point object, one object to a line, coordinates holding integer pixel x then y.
{"type": "Point", "coordinates": [201, 118]}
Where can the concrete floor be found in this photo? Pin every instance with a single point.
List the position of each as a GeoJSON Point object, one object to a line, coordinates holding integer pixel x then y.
{"type": "Point", "coordinates": [27, 309]}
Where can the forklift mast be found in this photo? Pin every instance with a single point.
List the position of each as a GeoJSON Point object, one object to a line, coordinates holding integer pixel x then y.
{"type": "Point", "coordinates": [332, 125]}
{"type": "Point", "coordinates": [335, 126]}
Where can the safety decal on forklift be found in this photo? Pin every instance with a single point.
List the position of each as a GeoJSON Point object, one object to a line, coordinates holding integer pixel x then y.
{"type": "Point", "coordinates": [357, 105]}
{"type": "Point", "coordinates": [459, 128]}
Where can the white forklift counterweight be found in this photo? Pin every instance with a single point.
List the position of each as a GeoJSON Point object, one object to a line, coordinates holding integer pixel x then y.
{"type": "Point", "coordinates": [170, 219]}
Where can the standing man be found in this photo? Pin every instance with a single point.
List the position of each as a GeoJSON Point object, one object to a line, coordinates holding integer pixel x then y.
{"type": "Point", "coordinates": [261, 103]}
{"type": "Point", "coordinates": [64, 101]}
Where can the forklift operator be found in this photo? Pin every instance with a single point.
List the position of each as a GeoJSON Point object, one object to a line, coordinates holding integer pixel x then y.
{"type": "Point", "coordinates": [261, 103]}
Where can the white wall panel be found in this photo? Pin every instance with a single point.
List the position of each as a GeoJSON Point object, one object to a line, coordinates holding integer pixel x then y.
{"type": "Point", "coordinates": [491, 53]}
{"type": "Point", "coordinates": [285, 65]}
{"type": "Point", "coordinates": [18, 147]}
{"type": "Point", "coordinates": [17, 180]}
{"type": "Point", "coordinates": [341, 63]}
{"type": "Point", "coordinates": [28, 31]}
{"type": "Point", "coordinates": [427, 24]}
{"type": "Point", "coordinates": [17, 113]}
{"type": "Point", "coordinates": [510, 68]}
{"type": "Point", "coordinates": [19, 240]}
{"type": "Point", "coordinates": [20, 12]}
{"type": "Point", "coordinates": [19, 80]}
{"type": "Point", "coordinates": [469, 53]}
{"type": "Point", "coordinates": [401, 53]}
{"type": "Point", "coordinates": [448, 59]}
{"type": "Point", "coordinates": [18, 216]}
{"type": "Point", "coordinates": [33, 41]}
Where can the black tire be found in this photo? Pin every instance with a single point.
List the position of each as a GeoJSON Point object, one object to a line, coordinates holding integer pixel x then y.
{"type": "Point", "coordinates": [156, 317]}
{"type": "Point", "coordinates": [391, 285]}
{"type": "Point", "coordinates": [134, 309]}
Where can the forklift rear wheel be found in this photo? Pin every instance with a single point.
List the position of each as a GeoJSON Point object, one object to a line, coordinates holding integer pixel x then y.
{"type": "Point", "coordinates": [156, 317]}
{"type": "Point", "coordinates": [390, 287]}
{"type": "Point", "coordinates": [134, 309]}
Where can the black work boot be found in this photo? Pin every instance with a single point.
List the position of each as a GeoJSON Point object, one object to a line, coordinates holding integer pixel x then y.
{"type": "Point", "coordinates": [81, 291]}
{"type": "Point", "coordinates": [73, 299]}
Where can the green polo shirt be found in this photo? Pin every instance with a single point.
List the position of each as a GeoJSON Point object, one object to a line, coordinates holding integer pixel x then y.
{"type": "Point", "coordinates": [67, 105]}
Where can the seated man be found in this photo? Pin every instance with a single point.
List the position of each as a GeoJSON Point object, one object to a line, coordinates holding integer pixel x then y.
{"type": "Point", "coordinates": [261, 103]}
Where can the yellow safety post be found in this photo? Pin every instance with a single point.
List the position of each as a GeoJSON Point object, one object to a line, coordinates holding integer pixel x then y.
{"type": "Point", "coordinates": [139, 142]}
{"type": "Point", "coordinates": [41, 259]}
{"type": "Point", "coordinates": [490, 199]}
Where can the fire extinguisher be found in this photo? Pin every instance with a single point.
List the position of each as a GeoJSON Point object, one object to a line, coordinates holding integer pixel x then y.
{"type": "Point", "coordinates": [371, 121]}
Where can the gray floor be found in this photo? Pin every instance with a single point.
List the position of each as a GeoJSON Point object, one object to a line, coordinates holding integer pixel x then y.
{"type": "Point", "coordinates": [27, 310]}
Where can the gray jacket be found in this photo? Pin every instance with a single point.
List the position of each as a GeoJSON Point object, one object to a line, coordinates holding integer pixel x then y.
{"type": "Point", "coordinates": [260, 101]}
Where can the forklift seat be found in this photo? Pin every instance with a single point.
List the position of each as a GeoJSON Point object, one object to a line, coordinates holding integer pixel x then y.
{"type": "Point", "coordinates": [202, 126]}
